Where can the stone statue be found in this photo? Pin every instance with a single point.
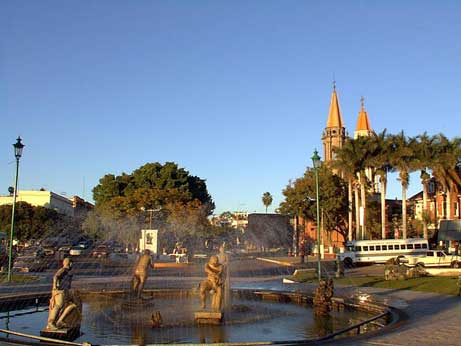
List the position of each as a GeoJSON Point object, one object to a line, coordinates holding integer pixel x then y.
{"type": "Point", "coordinates": [65, 305]}
{"type": "Point", "coordinates": [223, 258]}
{"type": "Point", "coordinates": [214, 283]}
{"type": "Point", "coordinates": [140, 273]}
{"type": "Point", "coordinates": [322, 297]}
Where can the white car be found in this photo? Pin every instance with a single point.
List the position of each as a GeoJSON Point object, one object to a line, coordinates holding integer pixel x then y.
{"type": "Point", "coordinates": [76, 251]}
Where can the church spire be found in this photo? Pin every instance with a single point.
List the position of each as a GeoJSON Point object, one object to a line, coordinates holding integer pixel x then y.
{"type": "Point", "coordinates": [335, 118]}
{"type": "Point", "coordinates": [363, 128]}
{"type": "Point", "coordinates": [334, 135]}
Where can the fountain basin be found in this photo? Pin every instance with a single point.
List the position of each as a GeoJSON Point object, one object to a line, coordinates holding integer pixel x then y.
{"type": "Point", "coordinates": [256, 316]}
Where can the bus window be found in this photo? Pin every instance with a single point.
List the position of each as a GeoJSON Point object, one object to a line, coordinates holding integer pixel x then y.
{"type": "Point", "coordinates": [372, 248]}
{"type": "Point", "coordinates": [391, 247]}
{"type": "Point", "coordinates": [378, 247]}
{"type": "Point", "coordinates": [424, 246]}
{"type": "Point", "coordinates": [417, 246]}
{"type": "Point", "coordinates": [358, 248]}
{"type": "Point", "coordinates": [409, 246]}
{"type": "Point", "coordinates": [384, 247]}
{"type": "Point", "coordinates": [365, 248]}
{"type": "Point", "coordinates": [402, 246]}
{"type": "Point", "coordinates": [429, 253]}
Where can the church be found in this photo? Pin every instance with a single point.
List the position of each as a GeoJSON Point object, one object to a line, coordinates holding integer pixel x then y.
{"type": "Point", "coordinates": [334, 136]}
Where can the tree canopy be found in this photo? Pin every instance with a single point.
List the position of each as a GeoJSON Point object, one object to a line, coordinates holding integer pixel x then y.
{"type": "Point", "coordinates": [150, 186]}
{"type": "Point", "coordinates": [35, 222]}
{"type": "Point", "coordinates": [179, 204]}
{"type": "Point", "coordinates": [300, 199]}
{"type": "Point", "coordinates": [267, 199]}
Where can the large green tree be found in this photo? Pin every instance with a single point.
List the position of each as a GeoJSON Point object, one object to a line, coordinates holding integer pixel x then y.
{"type": "Point", "coordinates": [300, 199]}
{"type": "Point", "coordinates": [181, 202]}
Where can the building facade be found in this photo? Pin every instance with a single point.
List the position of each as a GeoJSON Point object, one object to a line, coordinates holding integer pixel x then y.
{"type": "Point", "coordinates": [74, 206]}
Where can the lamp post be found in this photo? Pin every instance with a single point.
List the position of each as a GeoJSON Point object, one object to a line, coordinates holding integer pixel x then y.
{"type": "Point", "coordinates": [316, 163]}
{"type": "Point", "coordinates": [18, 146]}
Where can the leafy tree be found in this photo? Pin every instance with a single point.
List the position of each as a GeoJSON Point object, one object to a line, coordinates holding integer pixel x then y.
{"type": "Point", "coordinates": [300, 199]}
{"type": "Point", "coordinates": [226, 215]}
{"type": "Point", "coordinates": [267, 199]}
{"type": "Point", "coordinates": [36, 222]}
{"type": "Point", "coordinates": [183, 200]}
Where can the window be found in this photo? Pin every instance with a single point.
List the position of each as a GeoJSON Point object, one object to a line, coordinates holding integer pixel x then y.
{"type": "Point", "coordinates": [391, 247]}
{"type": "Point", "coordinates": [439, 254]}
{"type": "Point", "coordinates": [378, 247]}
{"type": "Point", "coordinates": [410, 246]}
{"type": "Point", "coordinates": [430, 253]}
{"type": "Point", "coordinates": [402, 246]}
{"type": "Point", "coordinates": [385, 247]}
{"type": "Point", "coordinates": [358, 248]}
{"type": "Point", "coordinates": [417, 246]}
{"type": "Point", "coordinates": [372, 248]}
{"type": "Point", "coordinates": [424, 246]}
{"type": "Point", "coordinates": [365, 248]}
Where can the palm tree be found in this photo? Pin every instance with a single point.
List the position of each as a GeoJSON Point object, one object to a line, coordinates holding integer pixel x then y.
{"type": "Point", "coordinates": [267, 199]}
{"type": "Point", "coordinates": [403, 159]}
{"type": "Point", "coordinates": [446, 158]}
{"type": "Point", "coordinates": [380, 161]}
{"type": "Point", "coordinates": [352, 161]}
{"type": "Point", "coordinates": [424, 155]}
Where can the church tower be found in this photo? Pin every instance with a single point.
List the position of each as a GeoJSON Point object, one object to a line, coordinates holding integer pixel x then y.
{"type": "Point", "coordinates": [363, 128]}
{"type": "Point", "coordinates": [334, 135]}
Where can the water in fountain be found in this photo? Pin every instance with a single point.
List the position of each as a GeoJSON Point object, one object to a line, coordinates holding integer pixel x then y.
{"type": "Point", "coordinates": [104, 283]}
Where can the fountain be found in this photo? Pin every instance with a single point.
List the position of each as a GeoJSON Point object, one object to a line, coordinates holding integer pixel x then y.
{"type": "Point", "coordinates": [140, 316]}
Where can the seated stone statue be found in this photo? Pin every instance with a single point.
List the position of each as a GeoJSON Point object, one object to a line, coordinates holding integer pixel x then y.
{"type": "Point", "coordinates": [214, 283]}
{"type": "Point", "coordinates": [65, 305]}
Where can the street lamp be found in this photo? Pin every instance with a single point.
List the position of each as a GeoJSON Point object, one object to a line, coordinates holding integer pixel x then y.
{"type": "Point", "coordinates": [18, 146]}
{"type": "Point", "coordinates": [316, 163]}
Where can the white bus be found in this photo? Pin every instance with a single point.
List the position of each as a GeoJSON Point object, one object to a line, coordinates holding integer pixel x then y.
{"type": "Point", "coordinates": [379, 251]}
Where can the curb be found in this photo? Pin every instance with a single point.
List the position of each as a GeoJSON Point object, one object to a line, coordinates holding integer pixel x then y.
{"type": "Point", "coordinates": [288, 264]}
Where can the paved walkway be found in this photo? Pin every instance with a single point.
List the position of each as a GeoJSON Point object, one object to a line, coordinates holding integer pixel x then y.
{"type": "Point", "coordinates": [431, 319]}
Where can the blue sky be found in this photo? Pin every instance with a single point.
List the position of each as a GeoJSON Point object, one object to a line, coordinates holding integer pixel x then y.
{"type": "Point", "coordinates": [237, 92]}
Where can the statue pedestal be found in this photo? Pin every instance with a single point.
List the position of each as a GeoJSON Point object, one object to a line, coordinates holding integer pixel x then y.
{"type": "Point", "coordinates": [208, 317]}
{"type": "Point", "coordinates": [68, 334]}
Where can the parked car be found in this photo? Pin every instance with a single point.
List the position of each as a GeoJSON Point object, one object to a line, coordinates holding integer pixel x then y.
{"type": "Point", "coordinates": [76, 250]}
{"type": "Point", "coordinates": [49, 250]}
{"type": "Point", "coordinates": [33, 251]}
{"type": "Point", "coordinates": [29, 263]}
{"type": "Point", "coordinates": [65, 248]}
{"type": "Point", "coordinates": [100, 251]}
{"type": "Point", "coordinates": [436, 258]}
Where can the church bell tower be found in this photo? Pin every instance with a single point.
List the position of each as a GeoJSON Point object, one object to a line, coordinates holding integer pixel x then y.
{"type": "Point", "coordinates": [334, 135]}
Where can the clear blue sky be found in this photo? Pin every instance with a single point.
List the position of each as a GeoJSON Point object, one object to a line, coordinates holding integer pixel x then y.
{"type": "Point", "coordinates": [236, 92]}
